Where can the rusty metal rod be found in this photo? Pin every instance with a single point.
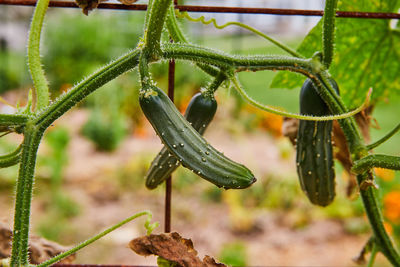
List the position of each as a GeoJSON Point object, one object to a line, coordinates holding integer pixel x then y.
{"type": "Point", "coordinates": [168, 182]}
{"type": "Point", "coordinates": [218, 9]}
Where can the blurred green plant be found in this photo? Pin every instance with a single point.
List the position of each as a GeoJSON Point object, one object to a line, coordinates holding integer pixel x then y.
{"type": "Point", "coordinates": [234, 254]}
{"type": "Point", "coordinates": [60, 207]}
{"type": "Point", "coordinates": [13, 71]}
{"type": "Point", "coordinates": [57, 140]}
{"type": "Point", "coordinates": [107, 125]}
{"type": "Point", "coordinates": [75, 45]}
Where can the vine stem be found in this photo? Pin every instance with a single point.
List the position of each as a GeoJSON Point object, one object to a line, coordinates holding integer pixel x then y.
{"type": "Point", "coordinates": [384, 139]}
{"type": "Point", "coordinates": [35, 66]}
{"type": "Point", "coordinates": [253, 63]}
{"type": "Point", "coordinates": [11, 158]}
{"type": "Point", "coordinates": [376, 160]}
{"type": "Point", "coordinates": [328, 31]}
{"type": "Point", "coordinates": [19, 252]}
{"type": "Point", "coordinates": [86, 87]}
{"type": "Point", "coordinates": [213, 86]}
{"type": "Point", "coordinates": [13, 120]}
{"type": "Point", "coordinates": [155, 22]}
{"type": "Point", "coordinates": [149, 227]}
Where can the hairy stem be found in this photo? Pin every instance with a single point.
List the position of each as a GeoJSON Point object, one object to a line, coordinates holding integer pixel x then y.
{"type": "Point", "coordinates": [19, 253]}
{"type": "Point", "coordinates": [12, 120]}
{"type": "Point", "coordinates": [219, 59]}
{"type": "Point", "coordinates": [209, 91]}
{"type": "Point", "coordinates": [158, 12]}
{"type": "Point", "coordinates": [384, 139]}
{"type": "Point", "coordinates": [328, 31]}
{"type": "Point", "coordinates": [253, 63]}
{"type": "Point", "coordinates": [85, 87]}
{"type": "Point", "coordinates": [372, 208]}
{"type": "Point", "coordinates": [35, 66]}
{"type": "Point", "coordinates": [11, 158]}
{"type": "Point", "coordinates": [377, 160]}
{"type": "Point", "coordinates": [144, 72]}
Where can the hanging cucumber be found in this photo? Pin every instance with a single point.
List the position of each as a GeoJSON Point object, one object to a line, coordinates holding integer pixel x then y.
{"type": "Point", "coordinates": [199, 113]}
{"type": "Point", "coordinates": [186, 144]}
{"type": "Point", "coordinates": [314, 157]}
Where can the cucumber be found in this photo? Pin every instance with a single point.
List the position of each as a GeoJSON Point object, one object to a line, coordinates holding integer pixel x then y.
{"type": "Point", "coordinates": [199, 113]}
{"type": "Point", "coordinates": [186, 144]}
{"type": "Point", "coordinates": [314, 156]}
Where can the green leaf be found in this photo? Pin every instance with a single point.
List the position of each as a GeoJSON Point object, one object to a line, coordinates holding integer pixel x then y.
{"type": "Point", "coordinates": [367, 54]}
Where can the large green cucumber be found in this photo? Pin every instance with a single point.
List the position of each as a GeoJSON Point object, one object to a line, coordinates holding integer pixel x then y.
{"type": "Point", "coordinates": [314, 157]}
{"type": "Point", "coordinates": [199, 113]}
{"type": "Point", "coordinates": [186, 144]}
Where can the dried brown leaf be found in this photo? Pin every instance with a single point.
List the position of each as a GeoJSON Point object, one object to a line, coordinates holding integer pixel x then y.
{"type": "Point", "coordinates": [172, 247]}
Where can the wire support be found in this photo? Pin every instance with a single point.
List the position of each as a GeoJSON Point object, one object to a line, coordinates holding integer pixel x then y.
{"type": "Point", "coordinates": [218, 9]}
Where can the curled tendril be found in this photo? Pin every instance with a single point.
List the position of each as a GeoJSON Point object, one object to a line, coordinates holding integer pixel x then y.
{"type": "Point", "coordinates": [213, 21]}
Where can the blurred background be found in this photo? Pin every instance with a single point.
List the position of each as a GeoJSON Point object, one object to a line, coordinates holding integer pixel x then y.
{"type": "Point", "coordinates": [92, 162]}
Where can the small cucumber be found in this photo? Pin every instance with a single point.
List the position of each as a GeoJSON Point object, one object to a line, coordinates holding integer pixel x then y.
{"type": "Point", "coordinates": [199, 113]}
{"type": "Point", "coordinates": [314, 157]}
{"type": "Point", "coordinates": [186, 144]}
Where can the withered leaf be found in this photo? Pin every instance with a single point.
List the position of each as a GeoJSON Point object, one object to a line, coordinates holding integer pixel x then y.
{"type": "Point", "coordinates": [172, 247]}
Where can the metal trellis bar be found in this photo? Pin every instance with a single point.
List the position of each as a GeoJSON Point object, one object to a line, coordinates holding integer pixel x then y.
{"type": "Point", "coordinates": [218, 9]}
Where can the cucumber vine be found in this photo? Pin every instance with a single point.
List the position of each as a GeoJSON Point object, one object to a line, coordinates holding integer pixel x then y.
{"type": "Point", "coordinates": [219, 65]}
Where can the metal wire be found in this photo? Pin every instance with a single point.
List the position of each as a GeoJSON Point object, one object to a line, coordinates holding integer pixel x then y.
{"type": "Point", "coordinates": [218, 9]}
